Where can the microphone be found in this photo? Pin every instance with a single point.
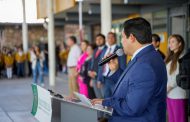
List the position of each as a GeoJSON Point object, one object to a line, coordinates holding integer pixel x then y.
{"type": "Point", "coordinates": [119, 52]}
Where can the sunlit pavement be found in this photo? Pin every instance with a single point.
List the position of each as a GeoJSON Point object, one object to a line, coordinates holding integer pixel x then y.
{"type": "Point", "coordinates": [16, 97]}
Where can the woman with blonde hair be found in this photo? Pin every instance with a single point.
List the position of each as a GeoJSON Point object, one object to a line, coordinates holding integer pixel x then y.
{"type": "Point", "coordinates": [176, 96]}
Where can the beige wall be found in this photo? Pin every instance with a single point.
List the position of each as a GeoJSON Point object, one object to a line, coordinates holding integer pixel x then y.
{"type": "Point", "coordinates": [12, 35]}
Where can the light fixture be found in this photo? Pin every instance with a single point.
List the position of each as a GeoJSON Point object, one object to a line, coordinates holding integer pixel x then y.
{"type": "Point", "coordinates": [78, 0]}
{"type": "Point", "coordinates": [126, 1]}
{"type": "Point", "coordinates": [89, 11]}
{"type": "Point", "coordinates": [66, 18]}
{"type": "Point", "coordinates": [47, 19]}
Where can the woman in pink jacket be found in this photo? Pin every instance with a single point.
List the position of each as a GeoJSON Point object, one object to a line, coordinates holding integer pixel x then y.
{"type": "Point", "coordinates": [82, 86]}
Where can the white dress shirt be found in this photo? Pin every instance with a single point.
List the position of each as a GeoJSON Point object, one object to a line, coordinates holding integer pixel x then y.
{"type": "Point", "coordinates": [137, 51]}
{"type": "Point", "coordinates": [73, 55]}
{"type": "Point", "coordinates": [110, 50]}
{"type": "Point", "coordinates": [177, 92]}
{"type": "Point", "coordinates": [101, 47]}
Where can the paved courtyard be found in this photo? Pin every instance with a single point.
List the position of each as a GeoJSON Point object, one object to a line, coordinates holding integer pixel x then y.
{"type": "Point", "coordinates": [16, 97]}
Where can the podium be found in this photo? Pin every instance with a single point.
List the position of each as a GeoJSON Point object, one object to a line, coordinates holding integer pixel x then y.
{"type": "Point", "coordinates": [69, 111]}
{"type": "Point", "coordinates": [56, 110]}
{"type": "Point", "coordinates": [51, 107]}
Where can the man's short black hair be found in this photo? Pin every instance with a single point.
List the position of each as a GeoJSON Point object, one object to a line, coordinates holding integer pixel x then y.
{"type": "Point", "coordinates": [156, 37]}
{"type": "Point", "coordinates": [140, 28]}
{"type": "Point", "coordinates": [101, 35]}
{"type": "Point", "coordinates": [73, 38]}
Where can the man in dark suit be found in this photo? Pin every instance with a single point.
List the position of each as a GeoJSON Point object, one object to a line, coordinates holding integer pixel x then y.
{"type": "Point", "coordinates": [140, 93]}
{"type": "Point", "coordinates": [100, 43]}
{"type": "Point", "coordinates": [104, 71]}
{"type": "Point", "coordinates": [156, 43]}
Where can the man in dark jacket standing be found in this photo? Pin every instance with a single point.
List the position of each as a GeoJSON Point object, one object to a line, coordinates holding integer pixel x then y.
{"type": "Point", "coordinates": [156, 43]}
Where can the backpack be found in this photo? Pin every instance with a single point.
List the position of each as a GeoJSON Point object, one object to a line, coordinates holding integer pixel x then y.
{"type": "Point", "coordinates": [183, 78]}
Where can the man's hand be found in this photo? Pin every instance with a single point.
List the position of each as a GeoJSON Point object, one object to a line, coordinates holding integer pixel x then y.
{"type": "Point", "coordinates": [69, 98]}
{"type": "Point", "coordinates": [99, 84]}
{"type": "Point", "coordinates": [92, 74]}
{"type": "Point", "coordinates": [91, 83]}
{"type": "Point", "coordinates": [76, 73]}
{"type": "Point", "coordinates": [97, 101]}
{"type": "Point", "coordinates": [113, 64]}
{"type": "Point", "coordinates": [169, 88]}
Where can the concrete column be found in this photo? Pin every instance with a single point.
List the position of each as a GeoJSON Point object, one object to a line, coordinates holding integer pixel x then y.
{"type": "Point", "coordinates": [51, 43]}
{"type": "Point", "coordinates": [80, 14]}
{"type": "Point", "coordinates": [24, 29]}
{"type": "Point", "coordinates": [106, 16]}
{"type": "Point", "coordinates": [25, 35]}
{"type": "Point", "coordinates": [80, 20]}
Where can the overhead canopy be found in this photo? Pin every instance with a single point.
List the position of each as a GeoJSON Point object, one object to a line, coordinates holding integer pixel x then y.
{"type": "Point", "coordinates": [59, 6]}
{"type": "Point", "coordinates": [67, 12]}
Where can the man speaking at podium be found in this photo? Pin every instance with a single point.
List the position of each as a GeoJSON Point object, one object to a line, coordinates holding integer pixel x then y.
{"type": "Point", "coordinates": [140, 93]}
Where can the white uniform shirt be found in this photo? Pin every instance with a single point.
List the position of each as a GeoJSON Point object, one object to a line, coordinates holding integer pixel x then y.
{"type": "Point", "coordinates": [139, 50]}
{"type": "Point", "coordinates": [73, 55]}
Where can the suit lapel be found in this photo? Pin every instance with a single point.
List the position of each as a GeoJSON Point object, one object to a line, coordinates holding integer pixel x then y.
{"type": "Point", "coordinates": [130, 64]}
{"type": "Point", "coordinates": [117, 47]}
{"type": "Point", "coordinates": [141, 53]}
{"type": "Point", "coordinates": [103, 52]}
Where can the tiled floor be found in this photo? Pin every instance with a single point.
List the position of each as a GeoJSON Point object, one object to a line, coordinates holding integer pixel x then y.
{"type": "Point", "coordinates": [16, 98]}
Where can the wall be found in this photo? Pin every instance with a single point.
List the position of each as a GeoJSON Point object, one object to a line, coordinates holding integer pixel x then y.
{"type": "Point", "coordinates": [12, 35]}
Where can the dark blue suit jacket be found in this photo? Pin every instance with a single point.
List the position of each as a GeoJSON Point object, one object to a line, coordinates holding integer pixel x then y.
{"type": "Point", "coordinates": [140, 93]}
{"type": "Point", "coordinates": [95, 60]}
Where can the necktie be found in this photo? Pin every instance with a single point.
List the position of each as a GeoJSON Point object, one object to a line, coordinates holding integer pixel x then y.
{"type": "Point", "coordinates": [109, 51]}
{"type": "Point", "coordinates": [97, 53]}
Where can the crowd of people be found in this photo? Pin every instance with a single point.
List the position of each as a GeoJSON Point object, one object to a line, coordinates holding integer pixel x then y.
{"type": "Point", "coordinates": [15, 63]}
{"type": "Point", "coordinates": [12, 62]}
{"type": "Point", "coordinates": [86, 77]}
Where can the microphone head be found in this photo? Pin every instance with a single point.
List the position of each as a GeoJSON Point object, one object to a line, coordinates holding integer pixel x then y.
{"type": "Point", "coordinates": [119, 52]}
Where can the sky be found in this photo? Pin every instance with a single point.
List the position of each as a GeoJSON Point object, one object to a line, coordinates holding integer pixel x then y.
{"type": "Point", "coordinates": [11, 11]}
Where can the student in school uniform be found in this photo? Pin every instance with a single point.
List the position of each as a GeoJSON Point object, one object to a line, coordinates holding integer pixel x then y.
{"type": "Point", "coordinates": [63, 55]}
{"type": "Point", "coordinates": [1, 63]}
{"type": "Point", "coordinates": [20, 60]}
{"type": "Point", "coordinates": [8, 61]}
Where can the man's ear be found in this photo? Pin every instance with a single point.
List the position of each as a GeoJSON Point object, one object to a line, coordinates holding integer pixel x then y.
{"type": "Point", "coordinates": [158, 43]}
{"type": "Point", "coordinates": [124, 35]}
{"type": "Point", "coordinates": [132, 38]}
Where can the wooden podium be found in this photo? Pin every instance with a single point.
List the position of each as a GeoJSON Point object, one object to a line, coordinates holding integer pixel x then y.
{"type": "Point", "coordinates": [69, 111]}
